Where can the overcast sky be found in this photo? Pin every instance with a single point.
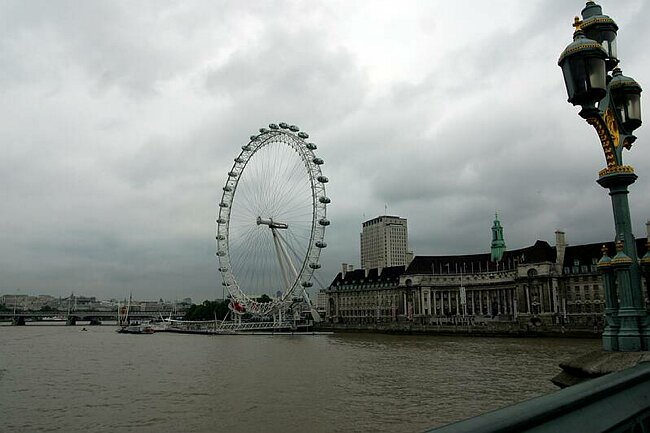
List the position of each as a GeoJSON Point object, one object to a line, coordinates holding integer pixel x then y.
{"type": "Point", "coordinates": [119, 121]}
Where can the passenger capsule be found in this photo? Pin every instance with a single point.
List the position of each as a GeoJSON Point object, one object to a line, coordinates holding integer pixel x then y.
{"type": "Point", "coordinates": [321, 244]}
{"type": "Point", "coordinates": [227, 188]}
{"type": "Point", "coordinates": [221, 221]}
{"type": "Point", "coordinates": [239, 159]}
{"type": "Point", "coordinates": [273, 126]}
{"type": "Point", "coordinates": [314, 265]}
{"type": "Point", "coordinates": [322, 179]}
{"type": "Point", "coordinates": [263, 130]}
{"type": "Point", "coordinates": [233, 174]}
{"type": "Point", "coordinates": [324, 222]}
{"type": "Point", "coordinates": [223, 269]}
{"type": "Point", "coordinates": [294, 128]}
{"type": "Point", "coordinates": [311, 146]}
{"type": "Point", "coordinates": [303, 135]}
{"type": "Point", "coordinates": [318, 161]}
{"type": "Point", "coordinates": [246, 147]}
{"type": "Point", "coordinates": [221, 253]}
{"type": "Point", "coordinates": [306, 284]}
{"type": "Point", "coordinates": [283, 125]}
{"type": "Point", "coordinates": [324, 200]}
{"type": "Point", "coordinates": [253, 137]}
{"type": "Point", "coordinates": [221, 237]}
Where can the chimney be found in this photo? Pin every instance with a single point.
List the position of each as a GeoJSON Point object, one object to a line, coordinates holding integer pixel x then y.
{"type": "Point", "coordinates": [344, 270]}
{"type": "Point", "coordinates": [560, 247]}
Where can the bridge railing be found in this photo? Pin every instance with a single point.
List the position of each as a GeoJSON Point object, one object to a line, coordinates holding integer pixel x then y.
{"type": "Point", "coordinates": [614, 403]}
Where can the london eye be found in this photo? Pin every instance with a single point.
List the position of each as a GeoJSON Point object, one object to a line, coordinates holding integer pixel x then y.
{"type": "Point", "coordinates": [271, 222]}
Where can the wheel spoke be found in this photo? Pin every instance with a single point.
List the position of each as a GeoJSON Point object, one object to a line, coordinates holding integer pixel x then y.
{"type": "Point", "coordinates": [274, 184]}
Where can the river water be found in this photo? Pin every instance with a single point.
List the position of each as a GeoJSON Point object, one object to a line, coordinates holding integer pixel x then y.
{"type": "Point", "coordinates": [62, 379]}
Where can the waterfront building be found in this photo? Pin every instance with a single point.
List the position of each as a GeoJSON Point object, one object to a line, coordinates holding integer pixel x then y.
{"type": "Point", "coordinates": [540, 284]}
{"type": "Point", "coordinates": [321, 302]}
{"type": "Point", "coordinates": [384, 242]}
{"type": "Point", "coordinates": [28, 302]}
{"type": "Point", "coordinates": [367, 296]}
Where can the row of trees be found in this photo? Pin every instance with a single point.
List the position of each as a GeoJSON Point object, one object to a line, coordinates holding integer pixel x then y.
{"type": "Point", "coordinates": [208, 310]}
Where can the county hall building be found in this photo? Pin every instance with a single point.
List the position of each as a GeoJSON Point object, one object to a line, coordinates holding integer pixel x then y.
{"type": "Point", "coordinates": [539, 284]}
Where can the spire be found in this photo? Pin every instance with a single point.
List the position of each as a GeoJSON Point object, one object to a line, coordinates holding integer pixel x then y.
{"type": "Point", "coordinates": [498, 246]}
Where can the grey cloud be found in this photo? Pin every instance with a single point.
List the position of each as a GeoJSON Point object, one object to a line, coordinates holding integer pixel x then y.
{"type": "Point", "coordinates": [121, 120]}
{"type": "Point", "coordinates": [290, 72]}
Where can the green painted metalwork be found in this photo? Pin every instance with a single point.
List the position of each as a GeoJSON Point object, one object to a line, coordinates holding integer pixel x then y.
{"type": "Point", "coordinates": [498, 246]}
{"type": "Point", "coordinates": [617, 402]}
{"type": "Point", "coordinates": [614, 111]}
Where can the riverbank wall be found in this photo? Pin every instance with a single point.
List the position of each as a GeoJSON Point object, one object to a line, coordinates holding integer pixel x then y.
{"type": "Point", "coordinates": [494, 329]}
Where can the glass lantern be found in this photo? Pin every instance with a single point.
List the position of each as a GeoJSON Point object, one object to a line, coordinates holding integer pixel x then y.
{"type": "Point", "coordinates": [601, 29]}
{"type": "Point", "coordinates": [626, 95]}
{"type": "Point", "coordinates": [584, 69]}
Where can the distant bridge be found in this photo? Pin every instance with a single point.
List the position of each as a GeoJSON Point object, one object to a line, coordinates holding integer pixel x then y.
{"type": "Point", "coordinates": [72, 317]}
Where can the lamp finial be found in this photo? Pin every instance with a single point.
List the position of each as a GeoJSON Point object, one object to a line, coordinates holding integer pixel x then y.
{"type": "Point", "coordinates": [577, 23]}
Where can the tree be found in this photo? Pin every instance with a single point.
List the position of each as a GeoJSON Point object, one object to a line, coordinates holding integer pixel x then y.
{"type": "Point", "coordinates": [208, 310]}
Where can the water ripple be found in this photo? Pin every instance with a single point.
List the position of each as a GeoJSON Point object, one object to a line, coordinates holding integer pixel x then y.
{"type": "Point", "coordinates": [56, 379]}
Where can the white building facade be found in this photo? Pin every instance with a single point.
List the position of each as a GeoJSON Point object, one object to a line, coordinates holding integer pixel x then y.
{"type": "Point", "coordinates": [384, 242]}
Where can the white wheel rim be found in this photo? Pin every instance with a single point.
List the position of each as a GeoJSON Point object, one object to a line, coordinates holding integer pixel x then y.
{"type": "Point", "coordinates": [277, 177]}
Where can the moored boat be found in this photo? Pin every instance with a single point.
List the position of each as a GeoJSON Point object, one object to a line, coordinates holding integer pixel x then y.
{"type": "Point", "coordinates": [136, 329]}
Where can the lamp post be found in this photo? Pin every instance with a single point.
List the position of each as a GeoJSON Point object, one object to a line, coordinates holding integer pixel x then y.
{"type": "Point", "coordinates": [611, 103]}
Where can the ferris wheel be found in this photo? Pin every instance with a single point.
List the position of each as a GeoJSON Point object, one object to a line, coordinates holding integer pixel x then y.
{"type": "Point", "coordinates": [271, 222]}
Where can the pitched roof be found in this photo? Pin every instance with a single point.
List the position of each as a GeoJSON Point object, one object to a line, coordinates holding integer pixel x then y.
{"type": "Point", "coordinates": [585, 254]}
{"type": "Point", "coordinates": [357, 276]}
{"type": "Point", "coordinates": [541, 251]}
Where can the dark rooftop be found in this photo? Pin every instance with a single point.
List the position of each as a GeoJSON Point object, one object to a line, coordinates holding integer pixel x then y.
{"type": "Point", "coordinates": [584, 254]}
{"type": "Point", "coordinates": [387, 274]}
{"type": "Point", "coordinates": [470, 263]}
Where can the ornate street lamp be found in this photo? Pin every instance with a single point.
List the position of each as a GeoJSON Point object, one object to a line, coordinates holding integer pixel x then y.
{"type": "Point", "coordinates": [601, 29]}
{"type": "Point", "coordinates": [612, 105]}
{"type": "Point", "coordinates": [584, 68]}
{"type": "Point", "coordinates": [626, 97]}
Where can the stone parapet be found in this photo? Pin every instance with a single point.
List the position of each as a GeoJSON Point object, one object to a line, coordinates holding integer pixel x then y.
{"type": "Point", "coordinates": [595, 364]}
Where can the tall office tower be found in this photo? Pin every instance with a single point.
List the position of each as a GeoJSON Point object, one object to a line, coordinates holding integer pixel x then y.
{"type": "Point", "coordinates": [384, 242]}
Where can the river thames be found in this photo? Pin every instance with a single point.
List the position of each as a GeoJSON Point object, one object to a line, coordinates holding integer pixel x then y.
{"type": "Point", "coordinates": [62, 379]}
